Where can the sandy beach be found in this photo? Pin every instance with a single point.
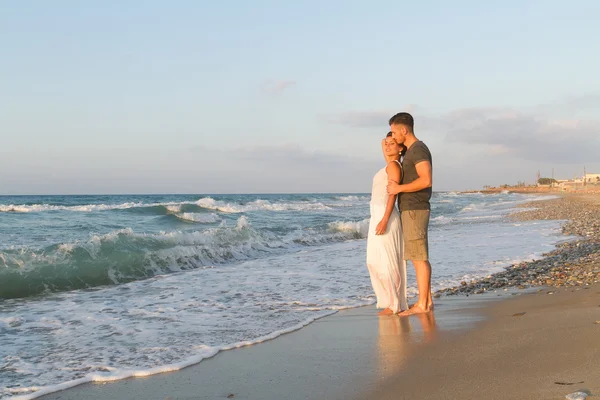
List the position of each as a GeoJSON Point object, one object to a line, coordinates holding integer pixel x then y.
{"type": "Point", "coordinates": [543, 345]}
{"type": "Point", "coordinates": [474, 347]}
{"type": "Point", "coordinates": [521, 338]}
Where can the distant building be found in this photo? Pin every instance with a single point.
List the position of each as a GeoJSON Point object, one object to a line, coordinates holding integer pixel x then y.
{"type": "Point", "coordinates": [569, 183]}
{"type": "Point", "coordinates": [593, 179]}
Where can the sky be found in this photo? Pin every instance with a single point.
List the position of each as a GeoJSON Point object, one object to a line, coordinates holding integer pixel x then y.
{"type": "Point", "coordinates": [280, 97]}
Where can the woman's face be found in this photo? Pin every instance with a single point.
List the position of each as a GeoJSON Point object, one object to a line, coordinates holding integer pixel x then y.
{"type": "Point", "coordinates": [391, 147]}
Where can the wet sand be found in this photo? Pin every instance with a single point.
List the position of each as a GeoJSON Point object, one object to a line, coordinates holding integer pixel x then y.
{"type": "Point", "coordinates": [471, 348]}
{"type": "Point", "coordinates": [551, 350]}
{"type": "Point", "coordinates": [333, 358]}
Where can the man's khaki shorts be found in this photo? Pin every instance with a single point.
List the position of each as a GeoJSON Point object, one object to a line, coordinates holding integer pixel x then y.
{"type": "Point", "coordinates": [415, 224]}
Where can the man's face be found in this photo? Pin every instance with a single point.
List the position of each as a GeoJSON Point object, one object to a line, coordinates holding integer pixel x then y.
{"type": "Point", "coordinates": [398, 133]}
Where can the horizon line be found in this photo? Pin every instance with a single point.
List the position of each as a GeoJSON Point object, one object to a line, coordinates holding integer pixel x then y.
{"type": "Point", "coordinates": [202, 194]}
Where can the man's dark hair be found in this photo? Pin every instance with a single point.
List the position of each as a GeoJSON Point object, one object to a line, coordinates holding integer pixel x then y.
{"type": "Point", "coordinates": [403, 118]}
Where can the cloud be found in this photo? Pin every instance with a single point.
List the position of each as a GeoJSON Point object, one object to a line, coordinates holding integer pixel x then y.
{"type": "Point", "coordinates": [524, 135]}
{"type": "Point", "coordinates": [543, 133]}
{"type": "Point", "coordinates": [275, 87]}
{"type": "Point", "coordinates": [570, 104]}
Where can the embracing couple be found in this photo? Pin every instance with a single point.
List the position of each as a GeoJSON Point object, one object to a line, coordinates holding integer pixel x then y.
{"type": "Point", "coordinates": [400, 235]}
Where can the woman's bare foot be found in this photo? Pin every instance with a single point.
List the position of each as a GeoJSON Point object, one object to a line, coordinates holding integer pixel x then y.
{"type": "Point", "coordinates": [387, 311]}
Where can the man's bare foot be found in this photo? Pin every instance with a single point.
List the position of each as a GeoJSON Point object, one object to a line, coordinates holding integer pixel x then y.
{"type": "Point", "coordinates": [416, 309]}
{"type": "Point", "coordinates": [429, 306]}
{"type": "Point", "coordinates": [387, 311]}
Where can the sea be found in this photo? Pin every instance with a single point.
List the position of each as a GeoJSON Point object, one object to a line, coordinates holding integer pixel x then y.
{"type": "Point", "coordinates": [105, 287]}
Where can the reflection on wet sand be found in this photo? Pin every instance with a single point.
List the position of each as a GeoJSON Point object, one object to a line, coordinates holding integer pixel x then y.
{"type": "Point", "coordinates": [428, 326]}
{"type": "Point", "coordinates": [399, 337]}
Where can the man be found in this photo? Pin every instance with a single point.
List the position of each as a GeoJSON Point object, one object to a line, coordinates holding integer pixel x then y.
{"type": "Point", "coordinates": [414, 193]}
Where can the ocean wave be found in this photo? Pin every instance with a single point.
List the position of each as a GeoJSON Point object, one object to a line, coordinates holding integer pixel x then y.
{"type": "Point", "coordinates": [442, 220]}
{"type": "Point", "coordinates": [198, 218]}
{"type": "Point", "coordinates": [159, 208]}
{"type": "Point", "coordinates": [259, 205]}
{"type": "Point", "coordinates": [352, 198]}
{"type": "Point", "coordinates": [28, 208]}
{"type": "Point", "coordinates": [358, 229]}
{"type": "Point", "coordinates": [123, 255]}
{"type": "Point", "coordinates": [537, 197]}
{"type": "Point", "coordinates": [174, 207]}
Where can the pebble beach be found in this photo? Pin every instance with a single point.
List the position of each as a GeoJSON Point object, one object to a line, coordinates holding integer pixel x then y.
{"type": "Point", "coordinates": [573, 263]}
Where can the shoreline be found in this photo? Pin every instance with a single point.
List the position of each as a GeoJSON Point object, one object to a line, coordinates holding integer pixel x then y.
{"type": "Point", "coordinates": [475, 302]}
{"type": "Point", "coordinates": [518, 344]}
{"type": "Point", "coordinates": [353, 348]}
{"type": "Point", "coordinates": [590, 189]}
{"type": "Point", "coordinates": [574, 262]}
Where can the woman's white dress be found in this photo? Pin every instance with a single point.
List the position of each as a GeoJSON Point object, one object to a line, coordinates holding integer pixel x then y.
{"type": "Point", "coordinates": [387, 267]}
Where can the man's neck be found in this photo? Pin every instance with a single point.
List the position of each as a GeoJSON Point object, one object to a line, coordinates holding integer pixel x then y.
{"type": "Point", "coordinates": [410, 140]}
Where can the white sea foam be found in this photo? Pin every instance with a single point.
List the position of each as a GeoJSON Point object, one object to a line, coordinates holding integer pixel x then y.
{"type": "Point", "coordinates": [199, 218]}
{"type": "Point", "coordinates": [350, 198]}
{"type": "Point", "coordinates": [442, 220]}
{"type": "Point", "coordinates": [21, 208]}
{"type": "Point", "coordinates": [175, 207]}
{"type": "Point", "coordinates": [10, 322]}
{"type": "Point", "coordinates": [361, 228]}
{"type": "Point", "coordinates": [541, 198]}
{"type": "Point", "coordinates": [259, 205]}
{"type": "Point", "coordinates": [200, 353]}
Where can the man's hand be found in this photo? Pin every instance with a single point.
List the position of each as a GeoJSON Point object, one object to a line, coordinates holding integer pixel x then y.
{"type": "Point", "coordinates": [393, 187]}
{"type": "Point", "coordinates": [381, 227]}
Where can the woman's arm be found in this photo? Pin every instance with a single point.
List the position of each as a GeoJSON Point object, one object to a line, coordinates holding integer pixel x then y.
{"type": "Point", "coordinates": [393, 173]}
{"type": "Point", "coordinates": [422, 182]}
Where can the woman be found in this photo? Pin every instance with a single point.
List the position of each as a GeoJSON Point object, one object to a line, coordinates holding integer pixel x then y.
{"type": "Point", "coordinates": [384, 242]}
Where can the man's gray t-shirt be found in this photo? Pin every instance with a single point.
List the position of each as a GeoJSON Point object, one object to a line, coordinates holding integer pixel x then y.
{"type": "Point", "coordinates": [417, 153]}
